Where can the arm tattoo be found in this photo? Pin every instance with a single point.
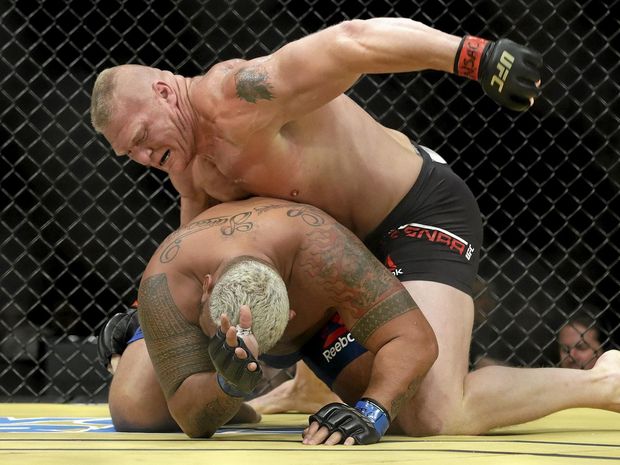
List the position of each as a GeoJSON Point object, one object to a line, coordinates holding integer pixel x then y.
{"type": "Point", "coordinates": [385, 310]}
{"type": "Point", "coordinates": [355, 279]}
{"type": "Point", "coordinates": [177, 348]}
{"type": "Point", "coordinates": [215, 413]}
{"type": "Point", "coordinates": [400, 400]}
{"type": "Point", "coordinates": [253, 84]}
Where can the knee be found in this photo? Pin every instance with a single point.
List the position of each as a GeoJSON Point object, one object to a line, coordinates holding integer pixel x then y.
{"type": "Point", "coordinates": [423, 425]}
{"type": "Point", "coordinates": [435, 422]}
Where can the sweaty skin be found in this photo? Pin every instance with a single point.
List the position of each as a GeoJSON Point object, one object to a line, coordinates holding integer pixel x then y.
{"type": "Point", "coordinates": [263, 127]}
{"type": "Point", "coordinates": [325, 268]}
{"type": "Point", "coordinates": [281, 126]}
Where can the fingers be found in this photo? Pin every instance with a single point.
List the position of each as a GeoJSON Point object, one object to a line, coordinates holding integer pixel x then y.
{"type": "Point", "coordinates": [231, 336]}
{"type": "Point", "coordinates": [532, 98]}
{"type": "Point", "coordinates": [113, 365]}
{"type": "Point", "coordinates": [224, 323]}
{"type": "Point", "coordinates": [231, 333]}
{"type": "Point", "coordinates": [245, 317]}
{"type": "Point", "coordinates": [314, 435]}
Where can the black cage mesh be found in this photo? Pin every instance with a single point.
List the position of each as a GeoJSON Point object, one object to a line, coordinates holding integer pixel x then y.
{"type": "Point", "coordinates": [77, 224]}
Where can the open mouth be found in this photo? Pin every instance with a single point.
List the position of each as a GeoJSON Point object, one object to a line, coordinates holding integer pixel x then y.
{"type": "Point", "coordinates": [164, 158]}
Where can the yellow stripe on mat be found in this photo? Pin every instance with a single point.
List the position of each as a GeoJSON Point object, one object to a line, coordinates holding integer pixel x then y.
{"type": "Point", "coordinates": [578, 436]}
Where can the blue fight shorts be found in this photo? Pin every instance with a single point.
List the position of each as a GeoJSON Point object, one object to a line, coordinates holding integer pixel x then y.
{"type": "Point", "coordinates": [137, 335]}
{"type": "Point", "coordinates": [327, 353]}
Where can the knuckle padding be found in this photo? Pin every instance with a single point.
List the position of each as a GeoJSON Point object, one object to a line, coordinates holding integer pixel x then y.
{"type": "Point", "coordinates": [517, 77]}
{"type": "Point", "coordinates": [346, 420]}
{"type": "Point", "coordinates": [231, 367]}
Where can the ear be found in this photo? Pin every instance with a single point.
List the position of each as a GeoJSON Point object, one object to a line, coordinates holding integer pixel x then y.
{"type": "Point", "coordinates": [291, 314]}
{"type": "Point", "coordinates": [207, 287]}
{"type": "Point", "coordinates": [163, 90]}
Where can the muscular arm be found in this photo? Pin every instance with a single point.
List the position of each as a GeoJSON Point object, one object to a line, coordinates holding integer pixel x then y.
{"type": "Point", "coordinates": [380, 313]}
{"type": "Point", "coordinates": [307, 73]}
{"type": "Point", "coordinates": [179, 352]}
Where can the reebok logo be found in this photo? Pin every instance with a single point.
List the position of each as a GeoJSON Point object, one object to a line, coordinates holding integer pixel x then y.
{"type": "Point", "coordinates": [392, 266]}
{"type": "Point", "coordinates": [340, 344]}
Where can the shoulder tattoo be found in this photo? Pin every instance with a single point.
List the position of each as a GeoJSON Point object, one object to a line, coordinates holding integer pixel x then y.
{"type": "Point", "coordinates": [252, 84]}
{"type": "Point", "coordinates": [177, 348]}
{"type": "Point", "coordinates": [228, 225]}
{"type": "Point", "coordinates": [354, 279]}
{"type": "Point", "coordinates": [386, 308]}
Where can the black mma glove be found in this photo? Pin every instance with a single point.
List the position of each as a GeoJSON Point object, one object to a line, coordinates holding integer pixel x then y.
{"type": "Point", "coordinates": [233, 375]}
{"type": "Point", "coordinates": [366, 423]}
{"type": "Point", "coordinates": [114, 335]}
{"type": "Point", "coordinates": [507, 71]}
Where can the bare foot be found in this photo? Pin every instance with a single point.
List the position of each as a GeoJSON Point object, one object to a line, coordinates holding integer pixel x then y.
{"type": "Point", "coordinates": [305, 393]}
{"type": "Point", "coordinates": [608, 364]}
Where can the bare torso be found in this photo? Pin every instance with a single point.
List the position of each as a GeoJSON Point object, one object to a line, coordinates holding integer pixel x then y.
{"type": "Point", "coordinates": [299, 241]}
{"type": "Point", "coordinates": [337, 158]}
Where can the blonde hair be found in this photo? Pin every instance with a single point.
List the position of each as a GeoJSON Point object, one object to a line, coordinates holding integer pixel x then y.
{"type": "Point", "coordinates": [257, 285]}
{"type": "Point", "coordinates": [101, 99]}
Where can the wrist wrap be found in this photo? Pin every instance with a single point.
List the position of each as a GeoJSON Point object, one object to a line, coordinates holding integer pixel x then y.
{"type": "Point", "coordinates": [379, 416]}
{"type": "Point", "coordinates": [228, 388]}
{"type": "Point", "coordinates": [469, 57]}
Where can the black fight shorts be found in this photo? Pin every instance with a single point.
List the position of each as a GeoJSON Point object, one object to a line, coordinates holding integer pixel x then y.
{"type": "Point", "coordinates": [435, 231]}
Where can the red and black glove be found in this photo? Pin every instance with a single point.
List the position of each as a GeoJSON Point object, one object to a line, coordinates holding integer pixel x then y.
{"type": "Point", "coordinates": [508, 72]}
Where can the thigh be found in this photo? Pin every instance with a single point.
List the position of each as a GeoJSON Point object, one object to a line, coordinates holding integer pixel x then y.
{"type": "Point", "coordinates": [450, 313]}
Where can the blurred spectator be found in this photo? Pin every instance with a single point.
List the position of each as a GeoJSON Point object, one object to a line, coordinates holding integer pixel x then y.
{"type": "Point", "coordinates": [580, 343]}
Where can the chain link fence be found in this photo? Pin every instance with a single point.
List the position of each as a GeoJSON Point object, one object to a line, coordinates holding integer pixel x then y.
{"type": "Point", "coordinates": [77, 224]}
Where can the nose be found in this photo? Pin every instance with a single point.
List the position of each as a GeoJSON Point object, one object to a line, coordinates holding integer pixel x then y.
{"type": "Point", "coordinates": [141, 155]}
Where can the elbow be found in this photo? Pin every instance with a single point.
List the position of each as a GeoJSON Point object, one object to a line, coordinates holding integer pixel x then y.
{"type": "Point", "coordinates": [352, 29]}
{"type": "Point", "coordinates": [193, 423]}
{"type": "Point", "coordinates": [350, 35]}
{"type": "Point", "coordinates": [196, 433]}
{"type": "Point", "coordinates": [348, 44]}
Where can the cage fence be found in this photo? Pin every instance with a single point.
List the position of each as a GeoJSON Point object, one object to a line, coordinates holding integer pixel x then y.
{"type": "Point", "coordinates": [77, 224]}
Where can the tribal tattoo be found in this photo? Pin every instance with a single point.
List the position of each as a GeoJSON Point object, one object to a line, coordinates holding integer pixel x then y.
{"type": "Point", "coordinates": [253, 84]}
{"type": "Point", "coordinates": [355, 279]}
{"type": "Point", "coordinates": [385, 310]}
{"type": "Point", "coordinates": [177, 348]}
{"type": "Point", "coordinates": [401, 399]}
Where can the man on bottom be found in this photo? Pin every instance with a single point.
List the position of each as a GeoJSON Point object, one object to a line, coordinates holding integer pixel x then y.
{"type": "Point", "coordinates": [297, 285]}
{"type": "Point", "coordinates": [137, 403]}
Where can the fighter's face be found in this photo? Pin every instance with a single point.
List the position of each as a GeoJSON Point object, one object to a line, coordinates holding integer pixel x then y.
{"type": "Point", "coordinates": [149, 130]}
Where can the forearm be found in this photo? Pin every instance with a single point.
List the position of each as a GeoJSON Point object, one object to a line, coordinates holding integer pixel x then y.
{"type": "Point", "coordinates": [398, 369]}
{"type": "Point", "coordinates": [200, 406]}
{"type": "Point", "coordinates": [390, 45]}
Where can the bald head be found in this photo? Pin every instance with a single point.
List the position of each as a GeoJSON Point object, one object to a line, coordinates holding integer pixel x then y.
{"type": "Point", "coordinates": [132, 81]}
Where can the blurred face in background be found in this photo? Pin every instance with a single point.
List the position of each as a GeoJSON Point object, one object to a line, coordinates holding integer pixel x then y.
{"type": "Point", "coordinates": [579, 346]}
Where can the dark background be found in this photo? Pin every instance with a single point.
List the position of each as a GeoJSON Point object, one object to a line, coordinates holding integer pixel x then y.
{"type": "Point", "coordinates": [78, 224]}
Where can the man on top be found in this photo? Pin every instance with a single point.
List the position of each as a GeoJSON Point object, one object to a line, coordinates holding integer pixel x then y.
{"type": "Point", "coordinates": [281, 126]}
